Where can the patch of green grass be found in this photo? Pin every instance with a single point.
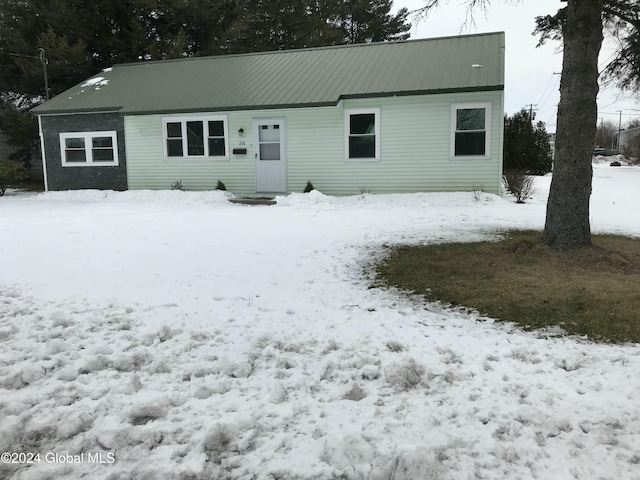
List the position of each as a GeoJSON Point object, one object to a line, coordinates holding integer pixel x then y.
{"type": "Point", "coordinates": [591, 291]}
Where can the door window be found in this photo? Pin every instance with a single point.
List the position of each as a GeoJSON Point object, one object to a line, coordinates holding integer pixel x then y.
{"type": "Point", "coordinates": [269, 140]}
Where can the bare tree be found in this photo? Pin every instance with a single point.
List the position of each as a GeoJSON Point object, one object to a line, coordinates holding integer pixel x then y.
{"type": "Point", "coordinates": [607, 134]}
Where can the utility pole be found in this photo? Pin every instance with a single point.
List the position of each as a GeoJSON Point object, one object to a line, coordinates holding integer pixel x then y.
{"type": "Point", "coordinates": [601, 131]}
{"type": "Point", "coordinates": [619, 128]}
{"type": "Point", "coordinates": [45, 62]}
{"type": "Point", "coordinates": [531, 109]}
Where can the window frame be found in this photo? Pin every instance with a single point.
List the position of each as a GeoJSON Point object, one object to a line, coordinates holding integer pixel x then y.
{"type": "Point", "coordinates": [347, 133]}
{"type": "Point", "coordinates": [88, 137]}
{"type": "Point", "coordinates": [487, 129]}
{"type": "Point", "coordinates": [205, 129]}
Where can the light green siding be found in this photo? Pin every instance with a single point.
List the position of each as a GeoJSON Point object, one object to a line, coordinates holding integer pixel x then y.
{"type": "Point", "coordinates": [415, 150]}
{"type": "Point", "coordinates": [151, 170]}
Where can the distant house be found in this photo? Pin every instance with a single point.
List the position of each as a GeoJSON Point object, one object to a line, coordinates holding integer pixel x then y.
{"type": "Point", "coordinates": [418, 115]}
{"type": "Point", "coordinates": [629, 141]}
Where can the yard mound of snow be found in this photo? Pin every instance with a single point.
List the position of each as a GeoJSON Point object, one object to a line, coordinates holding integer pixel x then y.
{"type": "Point", "coordinates": [192, 342]}
{"type": "Point", "coordinates": [317, 199]}
{"type": "Point", "coordinates": [177, 197]}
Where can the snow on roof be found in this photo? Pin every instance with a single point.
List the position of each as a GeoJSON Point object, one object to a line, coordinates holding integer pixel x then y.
{"type": "Point", "coordinates": [95, 82]}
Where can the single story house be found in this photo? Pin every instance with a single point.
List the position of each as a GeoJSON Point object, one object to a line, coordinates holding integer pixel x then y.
{"type": "Point", "coordinates": [416, 115]}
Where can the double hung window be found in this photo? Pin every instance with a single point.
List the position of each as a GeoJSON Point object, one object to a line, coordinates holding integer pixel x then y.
{"type": "Point", "coordinates": [470, 127]}
{"type": "Point", "coordinates": [362, 134]}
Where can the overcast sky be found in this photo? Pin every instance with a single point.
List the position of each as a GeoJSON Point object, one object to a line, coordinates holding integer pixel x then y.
{"type": "Point", "coordinates": [530, 72]}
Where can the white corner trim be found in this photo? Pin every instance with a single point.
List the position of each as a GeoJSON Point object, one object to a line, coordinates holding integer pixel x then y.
{"type": "Point", "coordinates": [43, 154]}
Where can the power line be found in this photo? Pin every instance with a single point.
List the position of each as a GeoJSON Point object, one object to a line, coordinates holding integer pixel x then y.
{"type": "Point", "coordinates": [557, 80]}
{"type": "Point", "coordinates": [606, 62]}
{"type": "Point", "coordinates": [555, 113]}
{"type": "Point", "coordinates": [545, 88]}
{"type": "Point", "coordinates": [618, 101]}
{"type": "Point", "coordinates": [617, 112]}
{"type": "Point", "coordinates": [11, 54]}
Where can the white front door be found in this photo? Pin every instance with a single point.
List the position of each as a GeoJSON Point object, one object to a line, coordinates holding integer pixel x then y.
{"type": "Point", "coordinates": [269, 146]}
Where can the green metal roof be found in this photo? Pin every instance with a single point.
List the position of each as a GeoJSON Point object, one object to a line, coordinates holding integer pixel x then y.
{"type": "Point", "coordinates": [291, 78]}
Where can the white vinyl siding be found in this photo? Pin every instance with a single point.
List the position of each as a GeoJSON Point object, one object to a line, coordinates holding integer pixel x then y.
{"type": "Point", "coordinates": [82, 149]}
{"type": "Point", "coordinates": [151, 168]}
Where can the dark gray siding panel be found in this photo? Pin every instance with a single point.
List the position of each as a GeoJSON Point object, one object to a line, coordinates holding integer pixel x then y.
{"type": "Point", "coordinates": [75, 178]}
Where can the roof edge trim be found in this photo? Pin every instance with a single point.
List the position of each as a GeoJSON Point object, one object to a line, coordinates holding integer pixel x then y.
{"type": "Point", "coordinates": [84, 111]}
{"type": "Point", "coordinates": [238, 108]}
{"type": "Point", "coordinates": [325, 47]}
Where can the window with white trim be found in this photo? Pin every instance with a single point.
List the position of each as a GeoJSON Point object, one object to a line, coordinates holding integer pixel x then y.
{"type": "Point", "coordinates": [196, 137]}
{"type": "Point", "coordinates": [362, 131]}
{"type": "Point", "coordinates": [470, 127]}
{"type": "Point", "coordinates": [79, 149]}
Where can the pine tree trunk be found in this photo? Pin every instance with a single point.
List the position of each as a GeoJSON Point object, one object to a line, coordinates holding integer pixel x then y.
{"type": "Point", "coordinates": [567, 223]}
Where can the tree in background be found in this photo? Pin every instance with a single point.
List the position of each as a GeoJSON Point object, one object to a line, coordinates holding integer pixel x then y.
{"type": "Point", "coordinates": [81, 38]}
{"type": "Point", "coordinates": [285, 24]}
{"type": "Point", "coordinates": [19, 126]}
{"type": "Point", "coordinates": [622, 20]}
{"type": "Point", "coordinates": [606, 134]}
{"type": "Point", "coordinates": [365, 21]}
{"type": "Point", "coordinates": [266, 25]}
{"type": "Point", "coordinates": [526, 146]}
{"type": "Point", "coordinates": [11, 174]}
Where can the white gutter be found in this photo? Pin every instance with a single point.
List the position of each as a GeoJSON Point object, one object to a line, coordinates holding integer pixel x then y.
{"type": "Point", "coordinates": [44, 156]}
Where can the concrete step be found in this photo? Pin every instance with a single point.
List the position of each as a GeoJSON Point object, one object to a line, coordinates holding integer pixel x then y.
{"type": "Point", "coordinates": [253, 201]}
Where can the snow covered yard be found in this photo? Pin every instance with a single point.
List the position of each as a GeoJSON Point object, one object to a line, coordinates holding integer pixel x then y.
{"type": "Point", "coordinates": [172, 335]}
